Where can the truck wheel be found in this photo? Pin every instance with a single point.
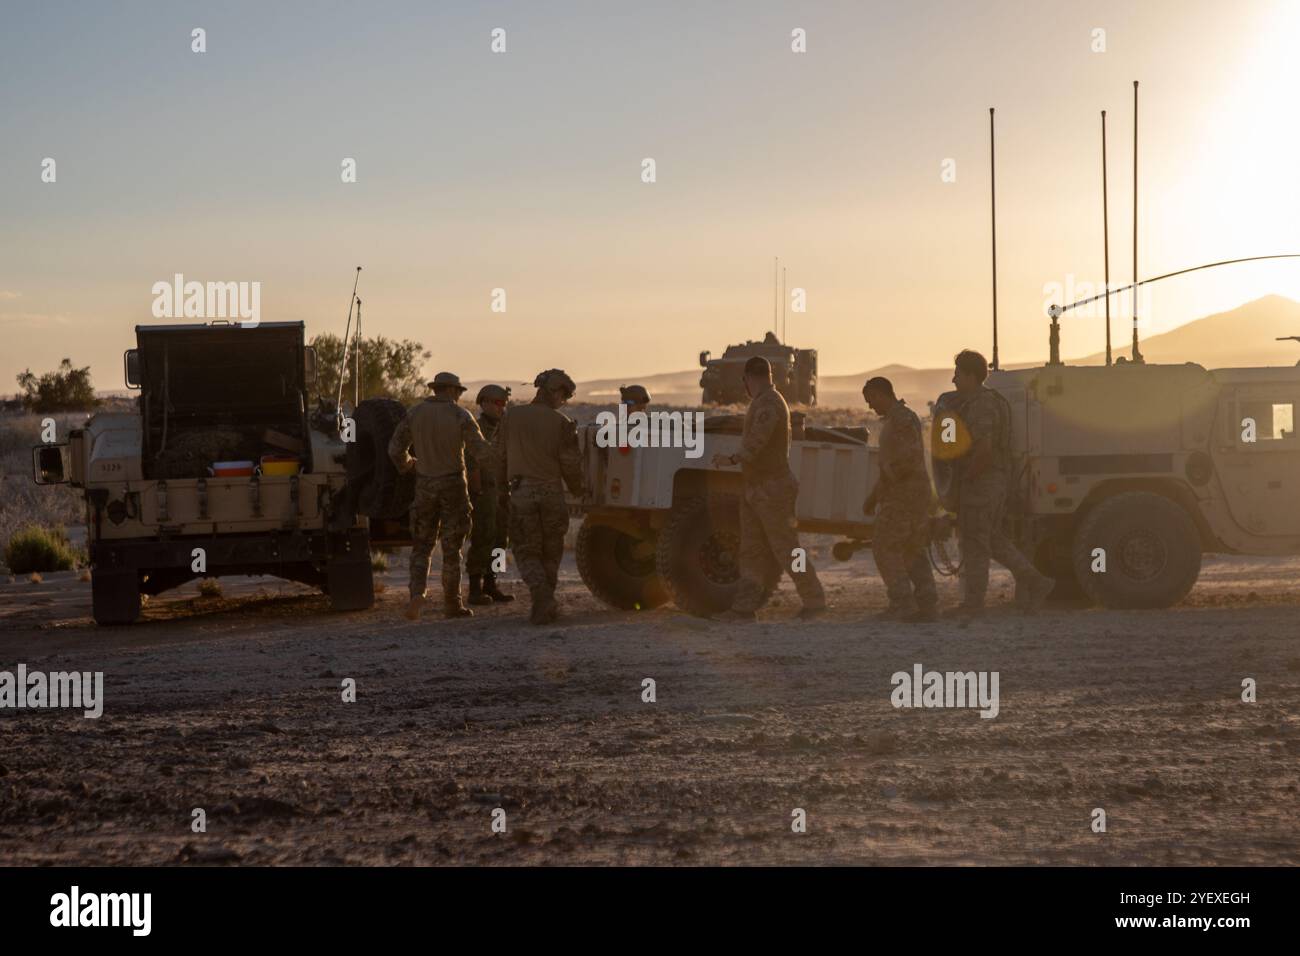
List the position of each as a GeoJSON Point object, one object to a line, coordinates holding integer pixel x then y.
{"type": "Point", "coordinates": [619, 568]}
{"type": "Point", "coordinates": [1152, 552]}
{"type": "Point", "coordinates": [115, 596]}
{"type": "Point", "coordinates": [377, 488]}
{"type": "Point", "coordinates": [698, 555]}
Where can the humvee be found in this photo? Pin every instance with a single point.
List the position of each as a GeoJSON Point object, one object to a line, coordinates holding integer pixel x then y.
{"type": "Point", "coordinates": [159, 513]}
{"type": "Point", "coordinates": [1142, 469]}
{"type": "Point", "coordinates": [794, 372]}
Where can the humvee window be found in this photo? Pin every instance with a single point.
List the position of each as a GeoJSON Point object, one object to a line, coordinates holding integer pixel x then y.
{"type": "Point", "coordinates": [1274, 421]}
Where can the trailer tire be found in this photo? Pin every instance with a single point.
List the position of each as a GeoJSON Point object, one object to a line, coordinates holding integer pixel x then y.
{"type": "Point", "coordinates": [376, 486]}
{"type": "Point", "coordinates": [619, 568]}
{"type": "Point", "coordinates": [1152, 551]}
{"type": "Point", "coordinates": [115, 596]}
{"type": "Point", "coordinates": [698, 555]}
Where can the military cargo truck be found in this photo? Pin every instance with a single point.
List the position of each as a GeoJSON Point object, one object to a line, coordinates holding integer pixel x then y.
{"type": "Point", "coordinates": [1142, 469]}
{"type": "Point", "coordinates": [222, 470]}
{"type": "Point", "coordinates": [794, 372]}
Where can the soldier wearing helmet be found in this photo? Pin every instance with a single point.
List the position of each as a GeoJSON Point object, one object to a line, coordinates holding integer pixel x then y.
{"type": "Point", "coordinates": [488, 502]}
{"type": "Point", "coordinates": [441, 432]}
{"type": "Point", "coordinates": [536, 457]}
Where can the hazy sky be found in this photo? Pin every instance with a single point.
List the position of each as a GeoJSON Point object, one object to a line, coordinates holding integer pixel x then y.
{"type": "Point", "coordinates": [522, 170]}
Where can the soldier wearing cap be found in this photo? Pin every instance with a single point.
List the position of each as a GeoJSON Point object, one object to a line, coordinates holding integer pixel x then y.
{"type": "Point", "coordinates": [487, 500]}
{"type": "Point", "coordinates": [536, 456]}
{"type": "Point", "coordinates": [902, 530]}
{"type": "Point", "coordinates": [635, 397]}
{"type": "Point", "coordinates": [441, 432]}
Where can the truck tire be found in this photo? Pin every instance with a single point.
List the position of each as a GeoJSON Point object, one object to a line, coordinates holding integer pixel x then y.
{"type": "Point", "coordinates": [698, 555]}
{"type": "Point", "coordinates": [377, 488]}
{"type": "Point", "coordinates": [115, 596]}
{"type": "Point", "coordinates": [1152, 551]}
{"type": "Point", "coordinates": [619, 568]}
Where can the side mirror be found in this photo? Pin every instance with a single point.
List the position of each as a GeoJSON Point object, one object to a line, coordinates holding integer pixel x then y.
{"type": "Point", "coordinates": [704, 359]}
{"type": "Point", "coordinates": [309, 365]}
{"type": "Point", "coordinates": [49, 466]}
{"type": "Point", "coordinates": [131, 359]}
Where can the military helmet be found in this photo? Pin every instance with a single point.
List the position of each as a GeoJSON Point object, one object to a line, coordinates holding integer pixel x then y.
{"type": "Point", "coordinates": [556, 379]}
{"type": "Point", "coordinates": [492, 393]}
{"type": "Point", "coordinates": [448, 380]}
{"type": "Point", "coordinates": [636, 394]}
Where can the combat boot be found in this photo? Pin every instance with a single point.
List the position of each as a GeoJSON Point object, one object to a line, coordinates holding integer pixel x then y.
{"type": "Point", "coordinates": [493, 592]}
{"type": "Point", "coordinates": [544, 610]}
{"type": "Point", "coordinates": [896, 612]}
{"type": "Point", "coordinates": [413, 609]}
{"type": "Point", "coordinates": [452, 606]}
{"type": "Point", "coordinates": [1034, 594]}
{"type": "Point", "coordinates": [922, 615]}
{"type": "Point", "coordinates": [476, 592]}
{"type": "Point", "coordinates": [735, 617]}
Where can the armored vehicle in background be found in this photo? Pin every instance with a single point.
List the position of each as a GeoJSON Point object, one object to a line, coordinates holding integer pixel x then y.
{"type": "Point", "coordinates": [223, 470]}
{"type": "Point", "coordinates": [794, 372]}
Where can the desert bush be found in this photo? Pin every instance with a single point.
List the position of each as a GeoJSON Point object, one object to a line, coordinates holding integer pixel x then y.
{"type": "Point", "coordinates": [210, 588]}
{"type": "Point", "coordinates": [65, 389]}
{"type": "Point", "coordinates": [35, 548]}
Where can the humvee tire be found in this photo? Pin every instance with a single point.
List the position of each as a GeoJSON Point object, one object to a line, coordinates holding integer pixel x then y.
{"type": "Point", "coordinates": [698, 555]}
{"type": "Point", "coordinates": [619, 568]}
{"type": "Point", "coordinates": [1152, 547]}
{"type": "Point", "coordinates": [115, 596]}
{"type": "Point", "coordinates": [377, 488]}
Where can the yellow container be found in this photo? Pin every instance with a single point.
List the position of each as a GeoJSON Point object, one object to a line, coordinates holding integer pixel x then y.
{"type": "Point", "coordinates": [280, 466]}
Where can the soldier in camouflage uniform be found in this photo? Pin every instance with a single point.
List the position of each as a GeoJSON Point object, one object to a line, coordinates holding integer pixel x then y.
{"type": "Point", "coordinates": [767, 519]}
{"type": "Point", "coordinates": [486, 499]}
{"type": "Point", "coordinates": [536, 455]}
{"type": "Point", "coordinates": [901, 532]}
{"type": "Point", "coordinates": [984, 480]}
{"type": "Point", "coordinates": [441, 432]}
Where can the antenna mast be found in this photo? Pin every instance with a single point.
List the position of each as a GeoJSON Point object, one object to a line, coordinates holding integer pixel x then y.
{"type": "Point", "coordinates": [783, 300]}
{"type": "Point", "coordinates": [1105, 230]}
{"type": "Point", "coordinates": [1137, 353]}
{"type": "Point", "coordinates": [993, 209]}
{"type": "Point", "coordinates": [776, 291]}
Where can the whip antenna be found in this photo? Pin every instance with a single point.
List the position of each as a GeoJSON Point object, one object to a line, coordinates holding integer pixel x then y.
{"type": "Point", "coordinates": [1105, 230]}
{"type": "Point", "coordinates": [1137, 353]}
{"type": "Point", "coordinates": [993, 210]}
{"type": "Point", "coordinates": [343, 360]}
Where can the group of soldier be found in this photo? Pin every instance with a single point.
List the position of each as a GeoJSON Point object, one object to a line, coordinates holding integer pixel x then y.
{"type": "Point", "coordinates": [502, 478]}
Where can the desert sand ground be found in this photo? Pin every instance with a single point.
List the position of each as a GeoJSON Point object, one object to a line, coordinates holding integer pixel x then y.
{"type": "Point", "coordinates": [234, 705]}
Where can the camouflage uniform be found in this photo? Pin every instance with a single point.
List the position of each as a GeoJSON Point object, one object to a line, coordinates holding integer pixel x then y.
{"type": "Point", "coordinates": [767, 518]}
{"type": "Point", "coordinates": [441, 432]}
{"type": "Point", "coordinates": [901, 531]}
{"type": "Point", "coordinates": [536, 456]}
{"type": "Point", "coordinates": [982, 499]}
{"type": "Point", "coordinates": [489, 531]}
